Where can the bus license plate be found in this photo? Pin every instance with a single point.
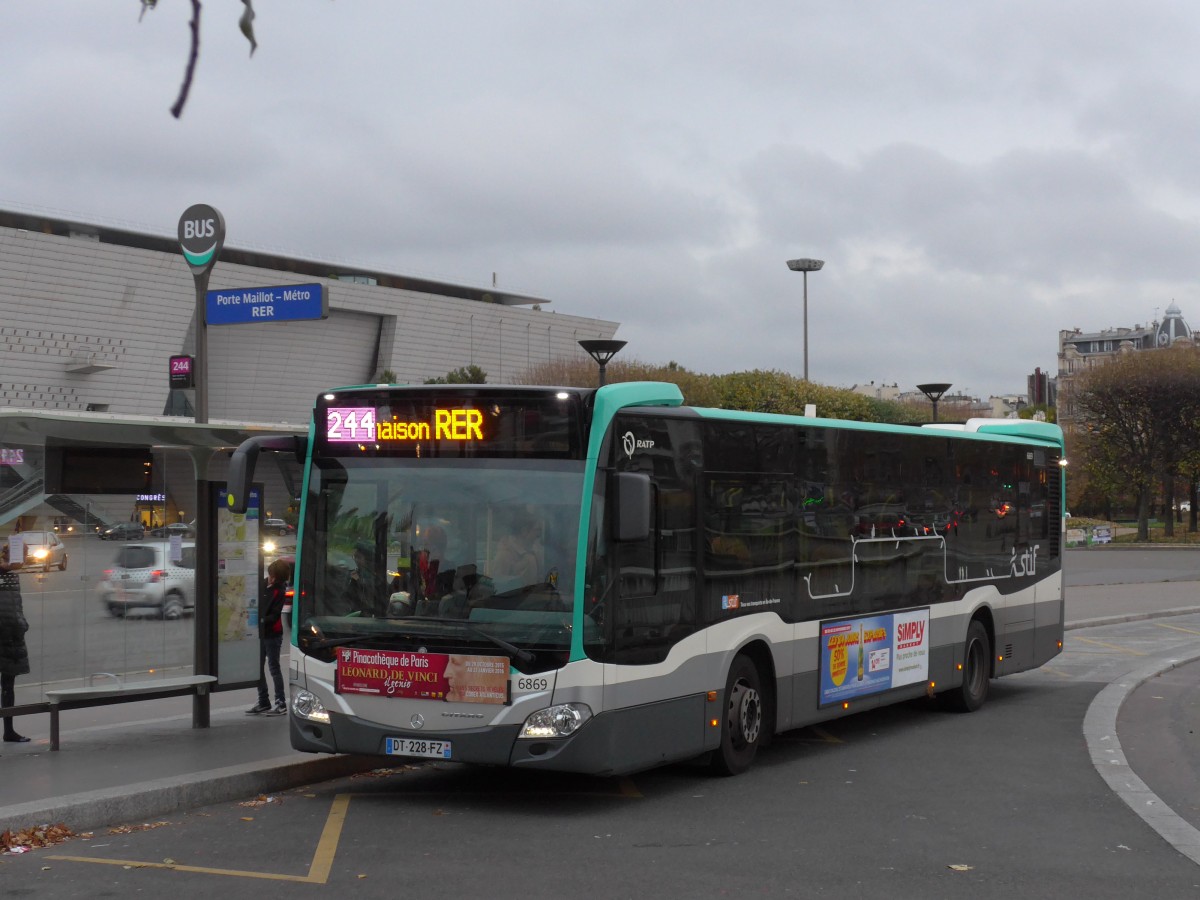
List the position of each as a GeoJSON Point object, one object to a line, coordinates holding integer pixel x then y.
{"type": "Point", "coordinates": [415, 747]}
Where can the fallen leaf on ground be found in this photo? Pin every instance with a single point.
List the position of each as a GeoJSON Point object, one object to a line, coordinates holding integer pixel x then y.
{"type": "Point", "coordinates": [34, 837]}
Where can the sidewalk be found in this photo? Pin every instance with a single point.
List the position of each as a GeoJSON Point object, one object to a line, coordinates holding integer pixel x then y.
{"type": "Point", "coordinates": [143, 761]}
{"type": "Point", "coordinates": [136, 762]}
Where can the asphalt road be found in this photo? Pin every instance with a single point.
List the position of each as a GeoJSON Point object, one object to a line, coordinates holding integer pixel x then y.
{"type": "Point", "coordinates": [1131, 566]}
{"type": "Point", "coordinates": [905, 802]}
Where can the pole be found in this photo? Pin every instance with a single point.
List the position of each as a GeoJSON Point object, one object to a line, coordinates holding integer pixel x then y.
{"type": "Point", "coordinates": [806, 326]}
{"type": "Point", "coordinates": [201, 236]}
{"type": "Point", "coordinates": [805, 266]}
{"type": "Point", "coordinates": [601, 375]}
{"type": "Point", "coordinates": [201, 363]}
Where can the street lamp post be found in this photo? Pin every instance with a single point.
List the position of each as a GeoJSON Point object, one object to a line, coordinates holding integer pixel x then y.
{"type": "Point", "coordinates": [805, 266]}
{"type": "Point", "coordinates": [934, 392]}
{"type": "Point", "coordinates": [602, 351]}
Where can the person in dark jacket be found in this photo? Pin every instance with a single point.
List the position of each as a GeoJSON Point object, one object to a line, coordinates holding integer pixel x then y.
{"type": "Point", "coordinates": [14, 657]}
{"type": "Point", "coordinates": [270, 641]}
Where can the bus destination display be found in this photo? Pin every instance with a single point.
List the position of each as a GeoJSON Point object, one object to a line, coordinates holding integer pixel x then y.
{"type": "Point", "coordinates": [356, 425]}
{"type": "Point", "coordinates": [447, 424]}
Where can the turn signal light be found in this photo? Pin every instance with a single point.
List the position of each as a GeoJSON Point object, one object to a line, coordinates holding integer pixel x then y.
{"type": "Point", "coordinates": [712, 696]}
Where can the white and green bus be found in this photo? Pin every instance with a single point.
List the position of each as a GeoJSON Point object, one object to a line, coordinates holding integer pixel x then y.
{"type": "Point", "coordinates": [606, 580]}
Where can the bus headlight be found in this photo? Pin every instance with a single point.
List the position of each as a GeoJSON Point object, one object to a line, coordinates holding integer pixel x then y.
{"type": "Point", "coordinates": [308, 706]}
{"type": "Point", "coordinates": [556, 721]}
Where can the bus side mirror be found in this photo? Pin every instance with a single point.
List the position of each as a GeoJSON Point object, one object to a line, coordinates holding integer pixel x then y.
{"type": "Point", "coordinates": [631, 506]}
{"type": "Point", "coordinates": [242, 463]}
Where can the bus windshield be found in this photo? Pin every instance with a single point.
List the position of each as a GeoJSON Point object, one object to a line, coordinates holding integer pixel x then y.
{"type": "Point", "coordinates": [463, 551]}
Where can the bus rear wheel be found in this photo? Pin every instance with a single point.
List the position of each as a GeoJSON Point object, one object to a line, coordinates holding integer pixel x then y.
{"type": "Point", "coordinates": [977, 658]}
{"type": "Point", "coordinates": [742, 725]}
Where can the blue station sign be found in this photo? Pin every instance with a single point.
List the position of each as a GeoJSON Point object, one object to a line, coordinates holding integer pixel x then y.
{"type": "Point", "coordinates": [244, 306]}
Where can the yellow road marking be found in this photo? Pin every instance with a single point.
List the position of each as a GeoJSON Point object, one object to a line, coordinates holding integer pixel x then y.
{"type": "Point", "coordinates": [1109, 646]}
{"type": "Point", "coordinates": [176, 867]}
{"type": "Point", "coordinates": [825, 736]}
{"type": "Point", "coordinates": [327, 846]}
{"type": "Point", "coordinates": [318, 872]}
{"type": "Point", "coordinates": [1054, 671]}
{"type": "Point", "coordinates": [800, 736]}
{"type": "Point", "coordinates": [1177, 628]}
{"type": "Point", "coordinates": [322, 862]}
{"type": "Point", "coordinates": [626, 788]}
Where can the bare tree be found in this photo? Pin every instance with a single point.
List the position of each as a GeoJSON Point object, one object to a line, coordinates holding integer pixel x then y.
{"type": "Point", "coordinates": [1142, 420]}
{"type": "Point", "coordinates": [245, 24]}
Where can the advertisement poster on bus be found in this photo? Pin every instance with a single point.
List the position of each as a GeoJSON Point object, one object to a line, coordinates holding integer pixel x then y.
{"type": "Point", "coordinates": [455, 678]}
{"type": "Point", "coordinates": [872, 654]}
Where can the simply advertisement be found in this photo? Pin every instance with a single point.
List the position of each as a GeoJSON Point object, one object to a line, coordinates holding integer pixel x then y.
{"type": "Point", "coordinates": [872, 654]}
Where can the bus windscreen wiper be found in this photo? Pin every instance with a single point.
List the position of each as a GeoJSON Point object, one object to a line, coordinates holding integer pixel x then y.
{"type": "Point", "coordinates": [521, 655]}
{"type": "Point", "coordinates": [340, 642]}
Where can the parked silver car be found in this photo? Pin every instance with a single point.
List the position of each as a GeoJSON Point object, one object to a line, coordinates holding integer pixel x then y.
{"type": "Point", "coordinates": [145, 577]}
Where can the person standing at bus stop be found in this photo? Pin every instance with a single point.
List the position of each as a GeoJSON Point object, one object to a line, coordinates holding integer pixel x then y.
{"type": "Point", "coordinates": [14, 657]}
{"type": "Point", "coordinates": [270, 641]}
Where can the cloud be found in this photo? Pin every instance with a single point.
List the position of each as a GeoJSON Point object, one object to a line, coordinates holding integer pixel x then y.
{"type": "Point", "coordinates": [976, 177]}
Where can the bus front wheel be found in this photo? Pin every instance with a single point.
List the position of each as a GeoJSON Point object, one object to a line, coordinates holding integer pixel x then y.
{"type": "Point", "coordinates": [742, 723]}
{"type": "Point", "coordinates": [977, 657]}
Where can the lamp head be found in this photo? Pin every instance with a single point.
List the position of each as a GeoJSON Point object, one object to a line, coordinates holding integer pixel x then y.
{"type": "Point", "coordinates": [934, 391]}
{"type": "Point", "coordinates": [805, 265]}
{"type": "Point", "coordinates": [602, 351]}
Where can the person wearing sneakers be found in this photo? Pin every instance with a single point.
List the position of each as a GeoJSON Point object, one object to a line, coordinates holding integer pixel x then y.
{"type": "Point", "coordinates": [270, 641]}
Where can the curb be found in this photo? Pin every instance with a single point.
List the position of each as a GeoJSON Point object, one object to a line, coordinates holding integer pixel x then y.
{"type": "Point", "coordinates": [143, 801]}
{"type": "Point", "coordinates": [1104, 747]}
{"type": "Point", "coordinates": [1131, 617]}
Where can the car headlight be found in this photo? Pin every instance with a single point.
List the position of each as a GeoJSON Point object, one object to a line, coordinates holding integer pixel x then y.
{"type": "Point", "coordinates": [41, 553]}
{"type": "Point", "coordinates": [556, 721]}
{"type": "Point", "coordinates": [308, 706]}
{"type": "Point", "coordinates": [268, 546]}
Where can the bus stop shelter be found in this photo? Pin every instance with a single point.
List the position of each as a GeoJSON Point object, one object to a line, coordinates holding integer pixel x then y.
{"type": "Point", "coordinates": [107, 492]}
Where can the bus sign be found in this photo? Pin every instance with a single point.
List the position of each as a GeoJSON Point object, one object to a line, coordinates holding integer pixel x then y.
{"type": "Point", "coordinates": [182, 372]}
{"type": "Point", "coordinates": [354, 424]}
{"type": "Point", "coordinates": [363, 422]}
{"type": "Point", "coordinates": [287, 303]}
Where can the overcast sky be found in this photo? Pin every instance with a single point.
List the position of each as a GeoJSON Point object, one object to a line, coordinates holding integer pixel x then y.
{"type": "Point", "coordinates": [977, 176]}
